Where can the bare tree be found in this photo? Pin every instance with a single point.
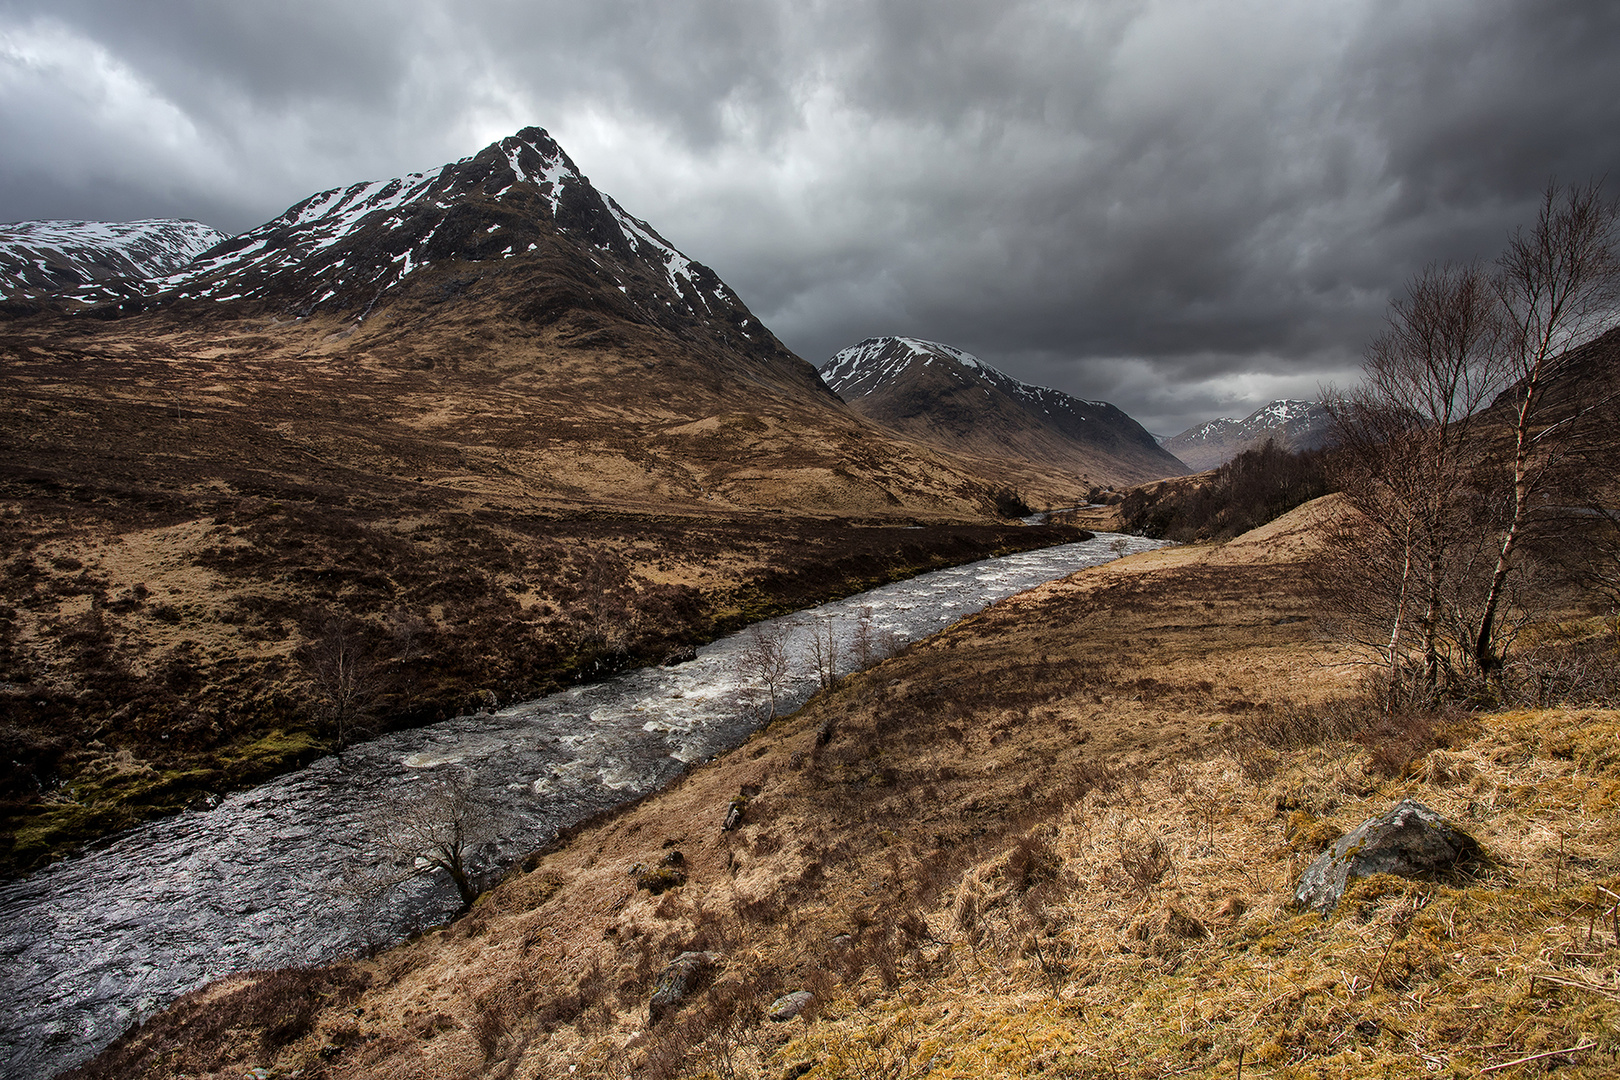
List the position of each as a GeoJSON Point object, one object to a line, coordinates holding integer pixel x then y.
{"type": "Point", "coordinates": [869, 644]}
{"type": "Point", "coordinates": [824, 649]}
{"type": "Point", "coordinates": [864, 641]}
{"type": "Point", "coordinates": [1455, 450]}
{"type": "Point", "coordinates": [1558, 285]}
{"type": "Point", "coordinates": [607, 595]}
{"type": "Point", "coordinates": [439, 826]}
{"type": "Point", "coordinates": [1408, 440]}
{"type": "Point", "coordinates": [346, 680]}
{"type": "Point", "coordinates": [764, 659]}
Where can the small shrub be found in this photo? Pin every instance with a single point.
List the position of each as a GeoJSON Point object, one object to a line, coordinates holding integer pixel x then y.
{"type": "Point", "coordinates": [1395, 741]}
{"type": "Point", "coordinates": [660, 879]}
{"type": "Point", "coordinates": [1010, 504]}
{"type": "Point", "coordinates": [1032, 862]}
{"type": "Point", "coordinates": [1144, 858]}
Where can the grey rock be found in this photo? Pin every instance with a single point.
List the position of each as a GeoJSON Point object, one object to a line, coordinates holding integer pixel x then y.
{"type": "Point", "coordinates": [680, 976]}
{"type": "Point", "coordinates": [735, 812]}
{"type": "Point", "coordinates": [788, 1006]}
{"type": "Point", "coordinates": [1410, 841]}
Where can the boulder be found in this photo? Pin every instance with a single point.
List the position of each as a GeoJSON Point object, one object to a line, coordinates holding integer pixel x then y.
{"type": "Point", "coordinates": [1410, 841]}
{"type": "Point", "coordinates": [734, 812]}
{"type": "Point", "coordinates": [680, 977]}
{"type": "Point", "coordinates": [788, 1006]}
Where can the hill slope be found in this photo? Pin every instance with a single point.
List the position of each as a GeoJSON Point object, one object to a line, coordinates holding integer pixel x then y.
{"type": "Point", "coordinates": [944, 397]}
{"type": "Point", "coordinates": [1035, 845]}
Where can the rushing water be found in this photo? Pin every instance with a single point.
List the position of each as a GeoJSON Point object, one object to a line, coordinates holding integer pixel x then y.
{"type": "Point", "coordinates": [96, 942]}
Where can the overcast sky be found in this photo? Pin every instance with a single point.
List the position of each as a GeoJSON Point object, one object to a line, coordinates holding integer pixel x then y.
{"type": "Point", "coordinates": [1185, 207]}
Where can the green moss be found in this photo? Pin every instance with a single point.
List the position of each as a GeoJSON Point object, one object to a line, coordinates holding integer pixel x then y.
{"type": "Point", "coordinates": [273, 752]}
{"type": "Point", "coordinates": [97, 804]}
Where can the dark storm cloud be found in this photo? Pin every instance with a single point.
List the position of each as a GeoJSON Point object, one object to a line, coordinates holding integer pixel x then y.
{"type": "Point", "coordinates": [1182, 207]}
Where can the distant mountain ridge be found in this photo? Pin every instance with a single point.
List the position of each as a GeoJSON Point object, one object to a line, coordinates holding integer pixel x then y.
{"type": "Point", "coordinates": [43, 257]}
{"type": "Point", "coordinates": [1296, 425]}
{"type": "Point", "coordinates": [946, 397]}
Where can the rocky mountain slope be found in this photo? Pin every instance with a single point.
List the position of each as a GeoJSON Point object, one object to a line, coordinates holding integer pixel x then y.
{"type": "Point", "coordinates": [1294, 425]}
{"type": "Point", "coordinates": [944, 397]}
{"type": "Point", "coordinates": [38, 258]}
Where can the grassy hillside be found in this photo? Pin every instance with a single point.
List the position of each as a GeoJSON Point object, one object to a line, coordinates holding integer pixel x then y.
{"type": "Point", "coordinates": [1058, 839]}
{"type": "Point", "coordinates": [194, 510]}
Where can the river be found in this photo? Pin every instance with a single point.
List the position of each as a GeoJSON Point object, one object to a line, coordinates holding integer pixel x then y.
{"type": "Point", "coordinates": [94, 943]}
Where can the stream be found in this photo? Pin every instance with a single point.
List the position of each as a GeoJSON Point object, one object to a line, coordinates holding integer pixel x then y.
{"type": "Point", "coordinates": [95, 943]}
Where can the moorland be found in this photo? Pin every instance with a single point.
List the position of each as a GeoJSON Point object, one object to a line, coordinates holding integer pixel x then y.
{"type": "Point", "coordinates": [1059, 838]}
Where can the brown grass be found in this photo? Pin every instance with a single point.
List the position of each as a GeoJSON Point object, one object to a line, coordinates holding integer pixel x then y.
{"type": "Point", "coordinates": [1038, 844]}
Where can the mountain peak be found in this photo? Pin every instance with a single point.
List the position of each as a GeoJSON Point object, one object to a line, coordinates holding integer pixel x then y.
{"type": "Point", "coordinates": [951, 398]}
{"type": "Point", "coordinates": [869, 366]}
{"type": "Point", "coordinates": [520, 201]}
{"type": "Point", "coordinates": [1294, 424]}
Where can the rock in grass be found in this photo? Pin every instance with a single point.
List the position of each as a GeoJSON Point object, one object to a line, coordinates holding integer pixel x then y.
{"type": "Point", "coordinates": [788, 1006]}
{"type": "Point", "coordinates": [679, 978]}
{"type": "Point", "coordinates": [1410, 841]}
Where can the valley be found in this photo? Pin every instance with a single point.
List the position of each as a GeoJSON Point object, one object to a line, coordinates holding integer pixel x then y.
{"type": "Point", "coordinates": [90, 936]}
{"type": "Point", "coordinates": [426, 449]}
{"type": "Point", "coordinates": [380, 428]}
{"type": "Point", "coordinates": [1013, 849]}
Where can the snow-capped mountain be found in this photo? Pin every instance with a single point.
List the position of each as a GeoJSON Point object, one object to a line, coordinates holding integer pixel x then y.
{"type": "Point", "coordinates": [1296, 425]}
{"type": "Point", "coordinates": [950, 398]}
{"type": "Point", "coordinates": [345, 249]}
{"type": "Point", "coordinates": [512, 234]}
{"type": "Point", "coordinates": [495, 325]}
{"type": "Point", "coordinates": [42, 257]}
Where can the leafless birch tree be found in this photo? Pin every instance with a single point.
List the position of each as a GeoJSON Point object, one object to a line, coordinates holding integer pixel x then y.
{"type": "Point", "coordinates": [765, 660]}
{"type": "Point", "coordinates": [1454, 448]}
{"type": "Point", "coordinates": [1408, 438]}
{"type": "Point", "coordinates": [1558, 285]}
{"type": "Point", "coordinates": [346, 679]}
{"type": "Point", "coordinates": [824, 649]}
{"type": "Point", "coordinates": [437, 827]}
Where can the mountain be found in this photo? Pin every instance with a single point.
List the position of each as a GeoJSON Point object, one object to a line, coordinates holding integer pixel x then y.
{"type": "Point", "coordinates": [1296, 425]}
{"type": "Point", "coordinates": [518, 217]}
{"type": "Point", "coordinates": [950, 399]}
{"type": "Point", "coordinates": [480, 420]}
{"type": "Point", "coordinates": [524, 319]}
{"type": "Point", "coordinates": [43, 257]}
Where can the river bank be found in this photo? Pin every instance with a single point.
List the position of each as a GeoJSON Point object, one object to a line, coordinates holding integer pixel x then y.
{"type": "Point", "coordinates": [1053, 772]}
{"type": "Point", "coordinates": [176, 664]}
{"type": "Point", "coordinates": [255, 882]}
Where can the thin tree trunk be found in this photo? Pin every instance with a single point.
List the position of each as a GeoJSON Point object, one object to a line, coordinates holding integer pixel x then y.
{"type": "Point", "coordinates": [1400, 615]}
{"type": "Point", "coordinates": [1485, 657]}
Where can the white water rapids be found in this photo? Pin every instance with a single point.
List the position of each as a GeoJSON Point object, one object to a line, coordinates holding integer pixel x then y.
{"type": "Point", "coordinates": [94, 943]}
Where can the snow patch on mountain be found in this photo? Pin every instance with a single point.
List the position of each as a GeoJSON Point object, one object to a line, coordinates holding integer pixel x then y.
{"type": "Point", "coordinates": [44, 257]}
{"type": "Point", "coordinates": [876, 362]}
{"type": "Point", "coordinates": [346, 247]}
{"type": "Point", "coordinates": [1294, 424]}
{"type": "Point", "coordinates": [950, 397]}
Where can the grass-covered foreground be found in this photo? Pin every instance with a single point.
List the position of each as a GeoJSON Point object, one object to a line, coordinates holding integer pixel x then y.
{"type": "Point", "coordinates": [1059, 839]}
